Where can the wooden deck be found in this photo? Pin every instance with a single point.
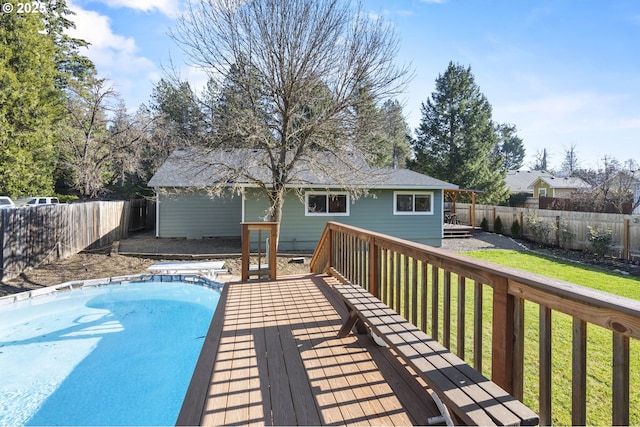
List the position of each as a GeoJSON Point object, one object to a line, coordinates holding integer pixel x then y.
{"type": "Point", "coordinates": [272, 357]}
{"type": "Point", "coordinates": [457, 231]}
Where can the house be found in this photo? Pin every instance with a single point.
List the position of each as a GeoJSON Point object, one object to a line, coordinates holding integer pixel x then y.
{"type": "Point", "coordinates": [208, 193]}
{"type": "Point", "coordinates": [519, 181]}
{"type": "Point", "coordinates": [558, 187]}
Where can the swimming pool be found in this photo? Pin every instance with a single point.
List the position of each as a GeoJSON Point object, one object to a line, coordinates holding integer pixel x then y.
{"type": "Point", "coordinates": [121, 354]}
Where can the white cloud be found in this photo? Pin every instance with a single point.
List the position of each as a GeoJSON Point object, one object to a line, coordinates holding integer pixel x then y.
{"type": "Point", "coordinates": [110, 52]}
{"type": "Point", "coordinates": [167, 7]}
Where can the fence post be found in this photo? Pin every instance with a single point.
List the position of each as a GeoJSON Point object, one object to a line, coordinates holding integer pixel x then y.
{"type": "Point", "coordinates": [503, 342]}
{"type": "Point", "coordinates": [625, 240]}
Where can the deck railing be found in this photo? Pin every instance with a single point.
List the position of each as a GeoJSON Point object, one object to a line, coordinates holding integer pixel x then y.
{"type": "Point", "coordinates": [485, 324]}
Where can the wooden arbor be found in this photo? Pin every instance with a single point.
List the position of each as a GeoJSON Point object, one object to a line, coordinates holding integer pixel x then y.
{"type": "Point", "coordinates": [453, 196]}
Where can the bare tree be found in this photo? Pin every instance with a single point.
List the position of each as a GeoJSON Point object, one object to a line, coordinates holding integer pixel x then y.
{"type": "Point", "coordinates": [98, 142]}
{"type": "Point", "coordinates": [296, 68]}
{"type": "Point", "coordinates": [541, 161]}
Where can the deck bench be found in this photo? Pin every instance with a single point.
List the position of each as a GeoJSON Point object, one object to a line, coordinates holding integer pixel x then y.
{"type": "Point", "coordinates": [472, 398]}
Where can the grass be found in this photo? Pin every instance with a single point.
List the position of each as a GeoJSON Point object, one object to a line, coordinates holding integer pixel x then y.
{"type": "Point", "coordinates": [584, 275]}
{"type": "Point", "coordinates": [599, 353]}
{"type": "Point", "coordinates": [599, 341]}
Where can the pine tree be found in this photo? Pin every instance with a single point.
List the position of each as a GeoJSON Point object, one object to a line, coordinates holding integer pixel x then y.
{"type": "Point", "coordinates": [30, 104]}
{"type": "Point", "coordinates": [510, 146]}
{"type": "Point", "coordinates": [456, 137]}
{"type": "Point", "coordinates": [570, 163]}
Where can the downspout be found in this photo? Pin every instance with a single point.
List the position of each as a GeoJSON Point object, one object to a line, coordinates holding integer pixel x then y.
{"type": "Point", "coordinates": [157, 190]}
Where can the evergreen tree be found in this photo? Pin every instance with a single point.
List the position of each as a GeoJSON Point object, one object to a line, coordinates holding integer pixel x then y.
{"type": "Point", "coordinates": [396, 135]}
{"type": "Point", "coordinates": [30, 104]}
{"type": "Point", "coordinates": [384, 129]}
{"type": "Point", "coordinates": [456, 137]}
{"type": "Point", "coordinates": [570, 162]}
{"type": "Point", "coordinates": [70, 64]}
{"type": "Point", "coordinates": [178, 104]}
{"type": "Point", "coordinates": [510, 146]}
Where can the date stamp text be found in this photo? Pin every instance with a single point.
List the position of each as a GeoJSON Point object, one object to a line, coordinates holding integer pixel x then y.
{"type": "Point", "coordinates": [24, 8]}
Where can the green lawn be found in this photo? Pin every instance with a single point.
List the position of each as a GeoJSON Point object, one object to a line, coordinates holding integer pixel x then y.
{"type": "Point", "coordinates": [573, 272]}
{"type": "Point", "coordinates": [599, 354]}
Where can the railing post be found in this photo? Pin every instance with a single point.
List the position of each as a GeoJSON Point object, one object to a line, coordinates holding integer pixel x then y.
{"type": "Point", "coordinates": [503, 343]}
{"type": "Point", "coordinates": [246, 240]}
{"type": "Point", "coordinates": [329, 245]}
{"type": "Point", "coordinates": [374, 264]}
{"type": "Point", "coordinates": [272, 227]}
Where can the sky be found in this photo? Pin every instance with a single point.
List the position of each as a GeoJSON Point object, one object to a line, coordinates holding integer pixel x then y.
{"type": "Point", "coordinates": [566, 73]}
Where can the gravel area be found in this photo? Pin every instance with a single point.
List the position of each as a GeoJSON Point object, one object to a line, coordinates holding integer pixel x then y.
{"type": "Point", "coordinates": [482, 240]}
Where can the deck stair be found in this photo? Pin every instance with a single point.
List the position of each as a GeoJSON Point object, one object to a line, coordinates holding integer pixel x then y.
{"type": "Point", "coordinates": [457, 231]}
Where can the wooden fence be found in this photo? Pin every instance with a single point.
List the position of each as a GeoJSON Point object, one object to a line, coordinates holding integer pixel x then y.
{"type": "Point", "coordinates": [39, 235]}
{"type": "Point", "coordinates": [532, 335]}
{"type": "Point", "coordinates": [567, 229]}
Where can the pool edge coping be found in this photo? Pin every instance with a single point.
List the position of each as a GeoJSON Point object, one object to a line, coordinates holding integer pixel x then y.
{"type": "Point", "coordinates": [117, 280]}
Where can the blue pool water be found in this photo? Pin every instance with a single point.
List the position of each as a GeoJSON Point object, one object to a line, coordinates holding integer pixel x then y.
{"type": "Point", "coordinates": [108, 355]}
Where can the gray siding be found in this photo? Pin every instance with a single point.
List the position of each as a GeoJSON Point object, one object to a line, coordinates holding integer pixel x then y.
{"type": "Point", "coordinates": [374, 212]}
{"type": "Point", "coordinates": [195, 215]}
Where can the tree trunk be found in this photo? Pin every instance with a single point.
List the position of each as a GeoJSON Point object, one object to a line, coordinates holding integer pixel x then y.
{"type": "Point", "coordinates": [276, 202]}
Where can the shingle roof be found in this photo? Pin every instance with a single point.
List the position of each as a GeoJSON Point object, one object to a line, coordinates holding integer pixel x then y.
{"type": "Point", "coordinates": [571, 182]}
{"type": "Point", "coordinates": [201, 167]}
{"type": "Point", "coordinates": [518, 181]}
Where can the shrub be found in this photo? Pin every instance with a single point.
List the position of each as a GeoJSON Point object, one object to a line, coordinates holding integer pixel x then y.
{"type": "Point", "coordinates": [565, 234]}
{"type": "Point", "coordinates": [484, 224]}
{"type": "Point", "coordinates": [600, 240]}
{"type": "Point", "coordinates": [515, 229]}
{"type": "Point", "coordinates": [497, 225]}
{"type": "Point", "coordinates": [539, 229]}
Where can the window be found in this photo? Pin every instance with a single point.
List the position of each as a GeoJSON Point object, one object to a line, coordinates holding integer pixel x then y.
{"type": "Point", "coordinates": [542, 192]}
{"type": "Point", "coordinates": [326, 204]}
{"type": "Point", "coordinates": [413, 203]}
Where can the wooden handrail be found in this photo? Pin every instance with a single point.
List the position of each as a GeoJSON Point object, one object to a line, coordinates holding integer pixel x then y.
{"type": "Point", "coordinates": [395, 269]}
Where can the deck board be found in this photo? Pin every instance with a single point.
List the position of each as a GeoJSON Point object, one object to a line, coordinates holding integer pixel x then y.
{"type": "Point", "coordinates": [276, 360]}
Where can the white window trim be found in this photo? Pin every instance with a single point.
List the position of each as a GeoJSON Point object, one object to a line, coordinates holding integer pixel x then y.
{"type": "Point", "coordinates": [326, 193]}
{"type": "Point", "coordinates": [542, 192]}
{"type": "Point", "coordinates": [412, 193]}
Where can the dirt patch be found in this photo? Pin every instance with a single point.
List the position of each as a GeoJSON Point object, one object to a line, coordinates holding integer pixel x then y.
{"type": "Point", "coordinates": [136, 254]}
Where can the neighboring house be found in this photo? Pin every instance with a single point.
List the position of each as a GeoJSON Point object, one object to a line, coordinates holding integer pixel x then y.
{"type": "Point", "coordinates": [197, 197]}
{"type": "Point", "coordinates": [558, 187]}
{"type": "Point", "coordinates": [519, 181]}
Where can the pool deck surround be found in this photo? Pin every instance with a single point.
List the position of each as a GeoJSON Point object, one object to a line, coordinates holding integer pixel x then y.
{"type": "Point", "coordinates": [272, 357]}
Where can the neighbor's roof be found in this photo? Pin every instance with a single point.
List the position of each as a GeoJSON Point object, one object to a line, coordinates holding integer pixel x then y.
{"type": "Point", "coordinates": [570, 182]}
{"type": "Point", "coordinates": [518, 181]}
{"type": "Point", "coordinates": [201, 167]}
